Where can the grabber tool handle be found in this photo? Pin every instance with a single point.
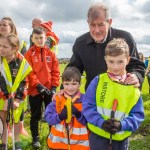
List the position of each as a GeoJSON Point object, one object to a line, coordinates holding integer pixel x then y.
{"type": "Point", "coordinates": [69, 110]}
{"type": "Point", "coordinates": [115, 104]}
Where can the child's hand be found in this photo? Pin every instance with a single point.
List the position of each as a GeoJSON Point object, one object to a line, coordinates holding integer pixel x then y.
{"type": "Point", "coordinates": [76, 112]}
{"type": "Point", "coordinates": [63, 114]}
{"type": "Point", "coordinates": [16, 103]}
{"type": "Point", "coordinates": [5, 105]}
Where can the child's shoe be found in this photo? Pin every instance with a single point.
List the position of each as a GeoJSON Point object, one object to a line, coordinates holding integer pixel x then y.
{"type": "Point", "coordinates": [36, 144]}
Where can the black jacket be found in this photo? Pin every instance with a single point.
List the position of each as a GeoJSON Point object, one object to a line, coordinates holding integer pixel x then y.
{"type": "Point", "coordinates": [88, 55]}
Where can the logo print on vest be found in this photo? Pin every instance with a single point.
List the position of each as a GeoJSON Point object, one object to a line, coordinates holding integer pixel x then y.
{"type": "Point", "coordinates": [103, 93]}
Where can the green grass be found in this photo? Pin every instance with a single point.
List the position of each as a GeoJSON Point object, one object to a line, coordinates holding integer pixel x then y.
{"type": "Point", "coordinates": [138, 141]}
{"type": "Point", "coordinates": [141, 139]}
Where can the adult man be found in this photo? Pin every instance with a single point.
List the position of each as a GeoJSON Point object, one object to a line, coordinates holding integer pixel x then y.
{"type": "Point", "coordinates": [35, 23]}
{"type": "Point", "coordinates": [88, 49]}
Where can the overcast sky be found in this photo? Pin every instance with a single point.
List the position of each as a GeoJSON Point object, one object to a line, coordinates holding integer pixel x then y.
{"type": "Point", "coordinates": [69, 19]}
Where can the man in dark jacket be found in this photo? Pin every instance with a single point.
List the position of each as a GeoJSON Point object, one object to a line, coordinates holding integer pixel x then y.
{"type": "Point", "coordinates": [88, 49]}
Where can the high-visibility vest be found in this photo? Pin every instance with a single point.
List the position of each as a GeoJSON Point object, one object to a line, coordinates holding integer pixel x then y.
{"type": "Point", "coordinates": [78, 138]}
{"type": "Point", "coordinates": [23, 71]}
{"type": "Point", "coordinates": [55, 45]}
{"type": "Point", "coordinates": [22, 44]}
{"type": "Point", "coordinates": [106, 92]}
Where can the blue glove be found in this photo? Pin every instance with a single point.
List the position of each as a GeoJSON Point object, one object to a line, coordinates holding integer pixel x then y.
{"type": "Point", "coordinates": [76, 112]}
{"type": "Point", "coordinates": [63, 114]}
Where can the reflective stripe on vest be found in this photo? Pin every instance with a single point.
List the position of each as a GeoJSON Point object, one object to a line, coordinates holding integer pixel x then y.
{"type": "Point", "coordinates": [23, 71]}
{"type": "Point", "coordinates": [106, 92]}
{"type": "Point", "coordinates": [118, 115]}
{"type": "Point", "coordinates": [79, 134]}
{"type": "Point", "coordinates": [57, 139]}
{"type": "Point", "coordinates": [76, 131]}
{"type": "Point", "coordinates": [23, 44]}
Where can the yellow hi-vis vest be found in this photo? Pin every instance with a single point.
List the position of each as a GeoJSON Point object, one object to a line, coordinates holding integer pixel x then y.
{"type": "Point", "coordinates": [106, 92]}
{"type": "Point", "coordinates": [55, 46]}
{"type": "Point", "coordinates": [22, 44]}
{"type": "Point", "coordinates": [23, 71]}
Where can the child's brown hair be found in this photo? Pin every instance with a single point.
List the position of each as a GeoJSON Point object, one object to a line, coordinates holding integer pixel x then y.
{"type": "Point", "coordinates": [116, 47]}
{"type": "Point", "coordinates": [38, 30]}
{"type": "Point", "coordinates": [71, 73]}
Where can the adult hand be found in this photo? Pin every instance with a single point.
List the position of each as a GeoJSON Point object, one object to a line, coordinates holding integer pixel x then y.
{"type": "Point", "coordinates": [59, 93]}
{"type": "Point", "coordinates": [132, 79]}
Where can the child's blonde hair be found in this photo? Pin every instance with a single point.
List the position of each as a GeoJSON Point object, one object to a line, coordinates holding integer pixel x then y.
{"type": "Point", "coordinates": [116, 47]}
{"type": "Point", "coordinates": [12, 39]}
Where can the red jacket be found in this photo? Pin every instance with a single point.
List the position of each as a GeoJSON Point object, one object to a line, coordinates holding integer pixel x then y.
{"type": "Point", "coordinates": [45, 67]}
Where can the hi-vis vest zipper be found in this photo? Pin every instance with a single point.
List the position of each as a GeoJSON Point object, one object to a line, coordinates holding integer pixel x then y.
{"type": "Point", "coordinates": [106, 92]}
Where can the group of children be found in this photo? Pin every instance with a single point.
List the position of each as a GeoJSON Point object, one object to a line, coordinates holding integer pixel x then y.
{"type": "Point", "coordinates": [90, 126]}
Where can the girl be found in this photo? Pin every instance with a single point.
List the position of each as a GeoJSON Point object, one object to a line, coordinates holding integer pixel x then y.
{"type": "Point", "coordinates": [6, 27]}
{"type": "Point", "coordinates": [14, 69]}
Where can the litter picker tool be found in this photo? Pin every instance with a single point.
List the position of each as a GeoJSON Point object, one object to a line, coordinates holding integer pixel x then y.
{"type": "Point", "coordinates": [112, 115]}
{"type": "Point", "coordinates": [1, 127]}
{"type": "Point", "coordinates": [7, 121]}
{"type": "Point", "coordinates": [10, 116]}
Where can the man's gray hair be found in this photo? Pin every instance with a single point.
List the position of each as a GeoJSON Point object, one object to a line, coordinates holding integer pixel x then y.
{"type": "Point", "coordinates": [94, 11]}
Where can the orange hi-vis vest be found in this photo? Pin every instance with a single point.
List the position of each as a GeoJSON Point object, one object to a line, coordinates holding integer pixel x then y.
{"type": "Point", "coordinates": [79, 135]}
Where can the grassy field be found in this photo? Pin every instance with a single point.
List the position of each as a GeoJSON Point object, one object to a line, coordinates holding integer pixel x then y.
{"type": "Point", "coordinates": [138, 141]}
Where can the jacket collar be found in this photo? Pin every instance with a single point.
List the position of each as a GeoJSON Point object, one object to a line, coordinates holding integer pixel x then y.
{"type": "Point", "coordinates": [38, 48]}
{"type": "Point", "coordinates": [107, 38]}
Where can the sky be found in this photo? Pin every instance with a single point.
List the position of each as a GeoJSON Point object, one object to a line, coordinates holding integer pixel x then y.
{"type": "Point", "coordinates": [69, 19]}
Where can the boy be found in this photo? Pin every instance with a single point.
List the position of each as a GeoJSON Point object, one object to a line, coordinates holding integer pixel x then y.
{"type": "Point", "coordinates": [63, 135]}
{"type": "Point", "coordinates": [52, 39]}
{"type": "Point", "coordinates": [99, 97]}
{"type": "Point", "coordinates": [43, 80]}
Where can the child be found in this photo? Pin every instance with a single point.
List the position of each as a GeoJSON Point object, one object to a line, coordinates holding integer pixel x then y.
{"type": "Point", "coordinates": [14, 69]}
{"type": "Point", "coordinates": [56, 115]}
{"type": "Point", "coordinates": [99, 97]}
{"type": "Point", "coordinates": [52, 39]}
{"type": "Point", "coordinates": [7, 26]}
{"type": "Point", "coordinates": [43, 80]}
